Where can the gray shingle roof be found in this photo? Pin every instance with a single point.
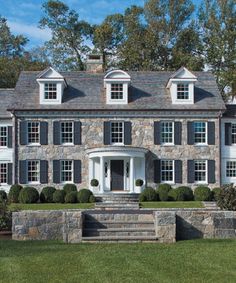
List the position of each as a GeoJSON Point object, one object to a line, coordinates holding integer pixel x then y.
{"type": "Point", "coordinates": [147, 91]}
{"type": "Point", "coordinates": [6, 100]}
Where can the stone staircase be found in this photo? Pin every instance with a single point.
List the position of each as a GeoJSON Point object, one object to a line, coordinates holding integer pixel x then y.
{"type": "Point", "coordinates": [118, 226]}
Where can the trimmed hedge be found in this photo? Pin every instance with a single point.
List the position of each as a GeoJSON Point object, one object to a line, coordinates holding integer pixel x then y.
{"type": "Point", "coordinates": [202, 193]}
{"type": "Point", "coordinates": [94, 183]}
{"type": "Point", "coordinates": [163, 191]}
{"type": "Point", "coordinates": [71, 197]}
{"type": "Point", "coordinates": [28, 195]}
{"type": "Point", "coordinates": [58, 196]}
{"type": "Point", "coordinates": [227, 197]}
{"type": "Point", "coordinates": [69, 188]}
{"type": "Point", "coordinates": [216, 193]}
{"type": "Point", "coordinates": [92, 199]}
{"type": "Point", "coordinates": [46, 195]}
{"type": "Point", "coordinates": [148, 194]}
{"type": "Point", "coordinates": [83, 195]}
{"type": "Point", "coordinates": [3, 195]}
{"type": "Point", "coordinates": [14, 192]}
{"type": "Point", "coordinates": [181, 194]}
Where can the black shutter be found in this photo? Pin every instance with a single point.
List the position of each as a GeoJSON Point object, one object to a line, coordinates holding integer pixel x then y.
{"type": "Point", "coordinates": [9, 173]}
{"type": "Point", "coordinates": [56, 172]}
{"type": "Point", "coordinates": [43, 171]}
{"type": "Point", "coordinates": [77, 171]}
{"type": "Point", "coordinates": [77, 132]}
{"type": "Point", "coordinates": [157, 132]}
{"type": "Point", "coordinates": [9, 137]}
{"type": "Point", "coordinates": [56, 133]}
{"type": "Point", "coordinates": [228, 134]}
{"type": "Point", "coordinates": [23, 133]}
{"type": "Point", "coordinates": [178, 133]}
{"type": "Point", "coordinates": [107, 133]}
{"type": "Point", "coordinates": [191, 171]}
{"type": "Point", "coordinates": [211, 172]}
{"type": "Point", "coordinates": [23, 172]}
{"type": "Point", "coordinates": [157, 171]}
{"type": "Point", "coordinates": [127, 133]}
{"type": "Point", "coordinates": [190, 133]}
{"type": "Point", "coordinates": [43, 133]}
{"type": "Point", "coordinates": [178, 171]}
{"type": "Point", "coordinates": [211, 133]}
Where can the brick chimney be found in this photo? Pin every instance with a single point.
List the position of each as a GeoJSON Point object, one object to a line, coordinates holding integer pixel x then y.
{"type": "Point", "coordinates": [94, 63]}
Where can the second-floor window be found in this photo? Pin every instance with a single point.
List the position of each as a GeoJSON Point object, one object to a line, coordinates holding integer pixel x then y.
{"type": "Point", "coordinates": [33, 133]}
{"type": "Point", "coordinates": [167, 132]}
{"type": "Point", "coordinates": [117, 132]}
{"type": "Point", "coordinates": [182, 91]}
{"type": "Point", "coordinates": [233, 133]}
{"type": "Point", "coordinates": [66, 132]}
{"type": "Point", "coordinates": [50, 91]}
{"type": "Point", "coordinates": [116, 91]}
{"type": "Point", "coordinates": [3, 136]}
{"type": "Point", "coordinates": [33, 171]}
{"type": "Point", "coordinates": [3, 173]}
{"type": "Point", "coordinates": [66, 171]}
{"type": "Point", "coordinates": [200, 136]}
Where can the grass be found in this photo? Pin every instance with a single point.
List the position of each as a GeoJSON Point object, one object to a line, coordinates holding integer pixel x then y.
{"type": "Point", "coordinates": [48, 206]}
{"type": "Point", "coordinates": [186, 261]}
{"type": "Point", "coordinates": [172, 204]}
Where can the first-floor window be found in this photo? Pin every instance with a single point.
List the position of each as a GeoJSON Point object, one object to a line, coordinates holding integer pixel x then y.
{"type": "Point", "coordinates": [167, 171]}
{"type": "Point", "coordinates": [66, 132]}
{"type": "Point", "coordinates": [166, 132]}
{"type": "Point", "coordinates": [33, 171]}
{"type": "Point", "coordinates": [117, 132]}
{"type": "Point", "coordinates": [231, 169]}
{"type": "Point", "coordinates": [3, 173]}
{"type": "Point", "coordinates": [3, 136]}
{"type": "Point", "coordinates": [200, 170]}
{"type": "Point", "coordinates": [66, 171]}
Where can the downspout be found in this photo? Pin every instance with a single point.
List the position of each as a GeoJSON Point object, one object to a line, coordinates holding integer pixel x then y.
{"type": "Point", "coordinates": [220, 141]}
{"type": "Point", "coordinates": [14, 147]}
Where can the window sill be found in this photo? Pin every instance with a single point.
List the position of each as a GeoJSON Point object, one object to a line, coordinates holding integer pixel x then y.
{"type": "Point", "coordinates": [67, 144]}
{"type": "Point", "coordinates": [200, 144]}
{"type": "Point", "coordinates": [167, 144]}
{"type": "Point", "coordinates": [33, 183]}
{"type": "Point", "coordinates": [4, 147]}
{"type": "Point", "coordinates": [201, 183]}
{"type": "Point", "coordinates": [117, 144]}
{"type": "Point", "coordinates": [33, 144]}
{"type": "Point", "coordinates": [168, 182]}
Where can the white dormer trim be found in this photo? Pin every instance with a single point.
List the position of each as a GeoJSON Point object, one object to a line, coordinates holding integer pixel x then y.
{"type": "Point", "coordinates": [182, 76]}
{"type": "Point", "coordinates": [50, 76]}
{"type": "Point", "coordinates": [117, 77]}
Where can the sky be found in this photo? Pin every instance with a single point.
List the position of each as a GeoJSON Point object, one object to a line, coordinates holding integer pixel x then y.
{"type": "Point", "coordinates": [23, 15]}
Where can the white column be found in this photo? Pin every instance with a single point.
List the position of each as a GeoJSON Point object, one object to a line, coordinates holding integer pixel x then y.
{"type": "Point", "coordinates": [91, 171]}
{"type": "Point", "coordinates": [131, 165]}
{"type": "Point", "coordinates": [101, 174]}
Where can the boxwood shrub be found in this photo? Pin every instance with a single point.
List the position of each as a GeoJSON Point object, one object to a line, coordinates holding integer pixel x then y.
{"type": "Point", "coordinates": [148, 194]}
{"type": "Point", "coordinates": [71, 197]}
{"type": "Point", "coordinates": [58, 196]}
{"type": "Point", "coordinates": [3, 195]}
{"type": "Point", "coordinates": [83, 195]}
{"type": "Point", "coordinates": [202, 193]}
{"type": "Point", "coordinates": [181, 194]}
{"type": "Point", "coordinates": [14, 192]}
{"type": "Point", "coordinates": [163, 191]}
{"type": "Point", "coordinates": [216, 193]}
{"type": "Point", "coordinates": [46, 194]}
{"type": "Point", "coordinates": [92, 199]}
{"type": "Point", "coordinates": [69, 188]}
{"type": "Point", "coordinates": [28, 195]}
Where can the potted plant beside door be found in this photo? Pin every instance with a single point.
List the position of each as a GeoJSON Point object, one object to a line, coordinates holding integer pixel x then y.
{"type": "Point", "coordinates": [139, 184]}
{"type": "Point", "coordinates": [95, 183]}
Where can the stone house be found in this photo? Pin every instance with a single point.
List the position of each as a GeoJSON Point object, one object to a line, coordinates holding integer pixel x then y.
{"type": "Point", "coordinates": [72, 127]}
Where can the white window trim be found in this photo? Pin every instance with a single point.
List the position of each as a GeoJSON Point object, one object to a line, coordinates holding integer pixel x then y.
{"type": "Point", "coordinates": [201, 182]}
{"type": "Point", "coordinates": [27, 173]}
{"type": "Point", "coordinates": [67, 182]}
{"type": "Point", "coordinates": [123, 133]}
{"type": "Point", "coordinates": [173, 134]}
{"type": "Point", "coordinates": [109, 100]}
{"type": "Point", "coordinates": [206, 134]}
{"type": "Point", "coordinates": [232, 144]}
{"type": "Point", "coordinates": [173, 165]}
{"type": "Point", "coordinates": [228, 160]}
{"type": "Point", "coordinates": [173, 91]}
{"type": "Point", "coordinates": [67, 143]}
{"type": "Point", "coordinates": [33, 143]}
{"type": "Point", "coordinates": [177, 92]}
{"type": "Point", "coordinates": [5, 126]}
{"type": "Point", "coordinates": [50, 99]}
{"type": "Point", "coordinates": [6, 173]}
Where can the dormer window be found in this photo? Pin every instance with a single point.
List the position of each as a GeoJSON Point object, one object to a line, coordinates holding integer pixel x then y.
{"type": "Point", "coordinates": [182, 91]}
{"type": "Point", "coordinates": [117, 91]}
{"type": "Point", "coordinates": [50, 91]}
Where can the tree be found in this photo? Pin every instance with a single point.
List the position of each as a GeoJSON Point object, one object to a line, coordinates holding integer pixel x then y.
{"type": "Point", "coordinates": [217, 23]}
{"type": "Point", "coordinates": [68, 44]}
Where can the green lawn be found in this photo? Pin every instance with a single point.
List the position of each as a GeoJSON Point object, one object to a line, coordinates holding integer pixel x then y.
{"type": "Point", "coordinates": [186, 261]}
{"type": "Point", "coordinates": [172, 204]}
{"type": "Point", "coordinates": [48, 206]}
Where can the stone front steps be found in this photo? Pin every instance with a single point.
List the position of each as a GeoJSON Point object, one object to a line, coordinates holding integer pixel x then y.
{"type": "Point", "coordinates": [118, 226]}
{"type": "Point", "coordinates": [115, 205]}
{"type": "Point", "coordinates": [117, 198]}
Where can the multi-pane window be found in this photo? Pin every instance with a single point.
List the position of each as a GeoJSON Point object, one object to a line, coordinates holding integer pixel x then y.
{"type": "Point", "coordinates": [66, 171]}
{"type": "Point", "coordinates": [233, 133]}
{"type": "Point", "coordinates": [116, 91]}
{"type": "Point", "coordinates": [166, 132]}
{"type": "Point", "coordinates": [117, 132]}
{"type": "Point", "coordinates": [66, 132]}
{"type": "Point", "coordinates": [3, 136]}
{"type": "Point", "coordinates": [33, 171]}
{"type": "Point", "coordinates": [3, 173]}
{"type": "Point", "coordinates": [231, 169]}
{"type": "Point", "coordinates": [182, 91]}
{"type": "Point", "coordinates": [200, 170]}
{"type": "Point", "coordinates": [199, 132]}
{"type": "Point", "coordinates": [33, 132]}
{"type": "Point", "coordinates": [50, 91]}
{"type": "Point", "coordinates": [167, 171]}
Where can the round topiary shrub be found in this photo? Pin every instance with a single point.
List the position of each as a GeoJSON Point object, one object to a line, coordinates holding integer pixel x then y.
{"type": "Point", "coordinates": [58, 196]}
{"type": "Point", "coordinates": [216, 193]}
{"type": "Point", "coordinates": [28, 195]}
{"type": "Point", "coordinates": [14, 192]}
{"type": "Point", "coordinates": [71, 197]}
{"type": "Point", "coordinates": [83, 195]}
{"type": "Point", "coordinates": [46, 195]}
{"type": "Point", "coordinates": [69, 188]}
{"type": "Point", "coordinates": [181, 194]}
{"type": "Point", "coordinates": [139, 182]}
{"type": "Point", "coordinates": [163, 191]}
{"type": "Point", "coordinates": [3, 195]}
{"type": "Point", "coordinates": [202, 193]}
{"type": "Point", "coordinates": [92, 199]}
{"type": "Point", "coordinates": [94, 183]}
{"type": "Point", "coordinates": [148, 194]}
